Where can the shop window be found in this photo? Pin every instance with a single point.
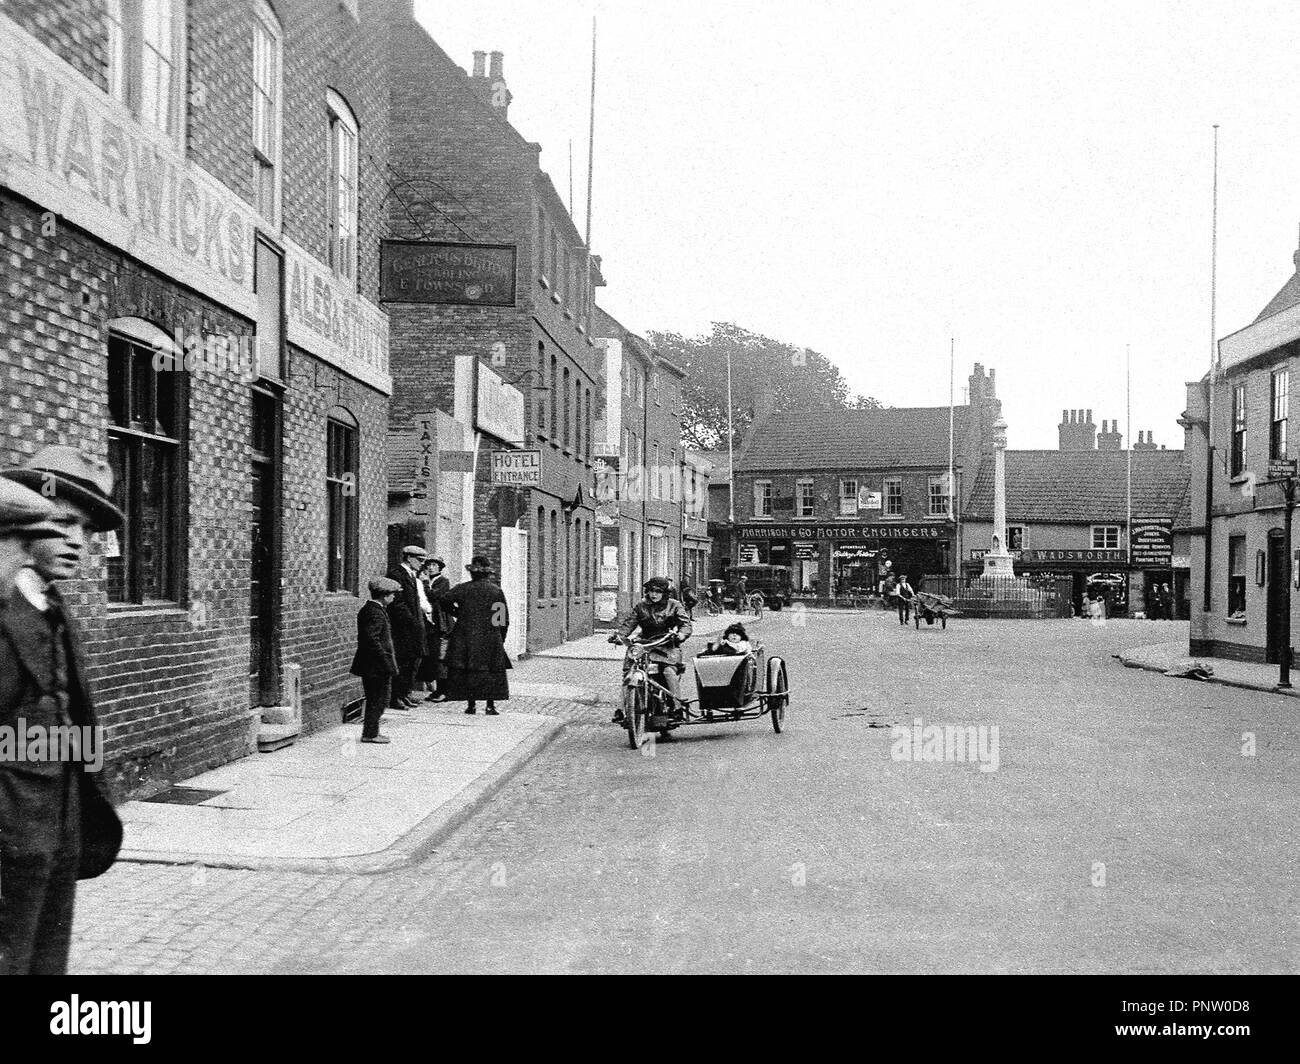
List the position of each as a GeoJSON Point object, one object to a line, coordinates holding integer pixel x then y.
{"type": "Point", "coordinates": [939, 495]}
{"type": "Point", "coordinates": [146, 422]}
{"type": "Point", "coordinates": [1281, 384]}
{"type": "Point", "coordinates": [146, 49]}
{"type": "Point", "coordinates": [341, 470]}
{"type": "Point", "coordinates": [1105, 537]}
{"type": "Point", "coordinates": [1236, 576]}
{"type": "Point", "coordinates": [1238, 429]}
{"type": "Point", "coordinates": [266, 110]}
{"type": "Point", "coordinates": [762, 498]}
{"type": "Point", "coordinates": [849, 497]}
{"type": "Point", "coordinates": [804, 500]}
{"type": "Point", "coordinates": [342, 198]}
{"type": "Point", "coordinates": [893, 496]}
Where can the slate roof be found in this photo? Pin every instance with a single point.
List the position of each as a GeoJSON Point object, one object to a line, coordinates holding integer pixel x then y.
{"type": "Point", "coordinates": [888, 438]}
{"type": "Point", "coordinates": [721, 462]}
{"type": "Point", "coordinates": [1085, 486]}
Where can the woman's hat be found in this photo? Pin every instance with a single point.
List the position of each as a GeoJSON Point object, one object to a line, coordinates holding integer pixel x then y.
{"type": "Point", "coordinates": [84, 480]}
{"type": "Point", "coordinates": [435, 561]}
{"type": "Point", "coordinates": [480, 564]}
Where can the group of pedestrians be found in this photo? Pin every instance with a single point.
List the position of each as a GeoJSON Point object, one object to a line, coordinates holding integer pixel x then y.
{"type": "Point", "coordinates": [1160, 603]}
{"type": "Point", "coordinates": [418, 630]}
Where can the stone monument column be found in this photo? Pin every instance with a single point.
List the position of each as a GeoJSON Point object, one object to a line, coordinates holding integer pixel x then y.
{"type": "Point", "coordinates": [997, 562]}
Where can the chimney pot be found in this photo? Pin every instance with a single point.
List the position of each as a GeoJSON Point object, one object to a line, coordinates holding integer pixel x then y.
{"type": "Point", "coordinates": [1089, 421]}
{"type": "Point", "coordinates": [1065, 417]}
{"type": "Point", "coordinates": [494, 72]}
{"type": "Point", "coordinates": [480, 59]}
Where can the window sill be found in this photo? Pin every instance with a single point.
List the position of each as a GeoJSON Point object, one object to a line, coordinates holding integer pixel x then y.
{"type": "Point", "coordinates": [541, 280]}
{"type": "Point", "coordinates": [569, 314]}
{"type": "Point", "coordinates": [555, 298]}
{"type": "Point", "coordinates": [342, 594]}
{"type": "Point", "coordinates": [147, 609]}
{"type": "Point", "coordinates": [1241, 478]}
{"type": "Point", "coordinates": [1239, 622]}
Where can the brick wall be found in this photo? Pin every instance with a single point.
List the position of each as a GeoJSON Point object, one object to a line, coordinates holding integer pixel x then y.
{"type": "Point", "coordinates": [171, 679]}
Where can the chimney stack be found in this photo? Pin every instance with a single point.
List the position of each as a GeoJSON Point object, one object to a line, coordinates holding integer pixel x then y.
{"type": "Point", "coordinates": [480, 59]}
{"type": "Point", "coordinates": [490, 86]}
{"type": "Point", "coordinates": [495, 71]}
{"type": "Point", "coordinates": [1110, 439]}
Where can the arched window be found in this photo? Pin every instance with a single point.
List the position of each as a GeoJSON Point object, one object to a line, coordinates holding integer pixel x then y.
{"type": "Point", "coordinates": [342, 461]}
{"type": "Point", "coordinates": [341, 198]}
{"type": "Point", "coordinates": [147, 420]}
{"type": "Point", "coordinates": [555, 555]}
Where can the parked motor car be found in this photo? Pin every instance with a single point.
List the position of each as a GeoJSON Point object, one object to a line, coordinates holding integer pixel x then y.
{"type": "Point", "coordinates": [774, 581]}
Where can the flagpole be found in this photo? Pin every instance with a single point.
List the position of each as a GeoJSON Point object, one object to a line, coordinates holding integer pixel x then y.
{"type": "Point", "coordinates": [591, 129]}
{"type": "Point", "coordinates": [1214, 364]}
{"type": "Point", "coordinates": [952, 485]}
{"type": "Point", "coordinates": [731, 448]}
{"type": "Point", "coordinates": [1128, 430]}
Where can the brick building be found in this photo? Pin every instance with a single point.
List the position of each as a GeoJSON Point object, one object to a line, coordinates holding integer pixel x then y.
{"type": "Point", "coordinates": [189, 217]}
{"type": "Point", "coordinates": [490, 293]}
{"type": "Point", "coordinates": [1250, 561]}
{"type": "Point", "coordinates": [1068, 516]}
{"type": "Point", "coordinates": [869, 486]}
{"type": "Point", "coordinates": [639, 429]}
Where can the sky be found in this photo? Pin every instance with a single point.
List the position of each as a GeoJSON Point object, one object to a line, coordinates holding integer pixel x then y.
{"type": "Point", "coordinates": [1031, 182]}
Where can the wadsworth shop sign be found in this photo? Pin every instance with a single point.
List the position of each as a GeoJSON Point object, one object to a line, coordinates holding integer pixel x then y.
{"type": "Point", "coordinates": [413, 271]}
{"type": "Point", "coordinates": [84, 159]}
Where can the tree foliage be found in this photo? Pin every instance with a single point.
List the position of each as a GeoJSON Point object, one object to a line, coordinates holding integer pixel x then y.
{"type": "Point", "coordinates": [800, 379]}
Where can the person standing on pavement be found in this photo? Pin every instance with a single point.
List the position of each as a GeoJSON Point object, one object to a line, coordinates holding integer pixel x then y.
{"type": "Point", "coordinates": [407, 616]}
{"type": "Point", "coordinates": [433, 667]}
{"type": "Point", "coordinates": [375, 660]}
{"type": "Point", "coordinates": [1166, 603]}
{"type": "Point", "coordinates": [57, 823]}
{"type": "Point", "coordinates": [905, 596]}
{"type": "Point", "coordinates": [476, 652]}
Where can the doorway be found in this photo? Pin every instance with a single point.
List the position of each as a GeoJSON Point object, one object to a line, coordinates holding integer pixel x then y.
{"type": "Point", "coordinates": [1277, 572]}
{"type": "Point", "coordinates": [263, 600]}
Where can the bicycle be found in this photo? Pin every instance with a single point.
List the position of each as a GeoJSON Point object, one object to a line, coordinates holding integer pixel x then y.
{"type": "Point", "coordinates": [754, 603]}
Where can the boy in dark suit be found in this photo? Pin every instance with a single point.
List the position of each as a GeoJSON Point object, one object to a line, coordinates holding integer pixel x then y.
{"type": "Point", "coordinates": [375, 662]}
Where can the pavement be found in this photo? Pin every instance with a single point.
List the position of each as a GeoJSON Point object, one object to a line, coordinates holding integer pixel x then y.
{"type": "Point", "coordinates": [332, 803]}
{"type": "Point", "coordinates": [1172, 659]}
{"type": "Point", "coordinates": [1131, 824]}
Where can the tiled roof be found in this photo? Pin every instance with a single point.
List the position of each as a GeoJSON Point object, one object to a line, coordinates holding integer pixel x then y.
{"type": "Point", "coordinates": [890, 437]}
{"type": "Point", "coordinates": [1085, 486]}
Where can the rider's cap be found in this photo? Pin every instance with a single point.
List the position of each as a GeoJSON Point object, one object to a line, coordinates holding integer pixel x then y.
{"type": "Point", "coordinates": [656, 583]}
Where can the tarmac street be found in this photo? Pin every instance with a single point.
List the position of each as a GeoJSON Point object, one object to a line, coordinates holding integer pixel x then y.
{"type": "Point", "coordinates": [1002, 796]}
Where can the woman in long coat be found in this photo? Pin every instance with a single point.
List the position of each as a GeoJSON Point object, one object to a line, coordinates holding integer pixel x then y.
{"type": "Point", "coordinates": [433, 666]}
{"type": "Point", "coordinates": [476, 654]}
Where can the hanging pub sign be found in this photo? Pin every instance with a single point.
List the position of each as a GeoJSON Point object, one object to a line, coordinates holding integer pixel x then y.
{"type": "Point", "coordinates": [1152, 540]}
{"type": "Point", "coordinates": [418, 271]}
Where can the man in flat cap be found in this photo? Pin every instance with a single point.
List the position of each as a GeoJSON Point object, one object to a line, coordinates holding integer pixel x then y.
{"type": "Point", "coordinates": [57, 824]}
{"type": "Point", "coordinates": [24, 516]}
{"type": "Point", "coordinates": [375, 661]}
{"type": "Point", "coordinates": [407, 615]}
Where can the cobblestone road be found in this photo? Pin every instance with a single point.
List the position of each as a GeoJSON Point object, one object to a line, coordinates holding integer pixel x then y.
{"type": "Point", "coordinates": [1123, 830]}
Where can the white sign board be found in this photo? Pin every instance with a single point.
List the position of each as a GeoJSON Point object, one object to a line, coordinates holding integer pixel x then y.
{"type": "Point", "coordinates": [68, 146]}
{"type": "Point", "coordinates": [520, 468]}
{"type": "Point", "coordinates": [500, 408]}
{"type": "Point", "coordinates": [868, 500]}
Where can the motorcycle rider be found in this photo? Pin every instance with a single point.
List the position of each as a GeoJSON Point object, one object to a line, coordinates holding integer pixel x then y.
{"type": "Point", "coordinates": [657, 615]}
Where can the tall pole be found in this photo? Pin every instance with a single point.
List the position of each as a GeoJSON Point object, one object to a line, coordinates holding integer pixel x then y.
{"type": "Point", "coordinates": [731, 450]}
{"type": "Point", "coordinates": [1214, 365]}
{"type": "Point", "coordinates": [952, 485]}
{"type": "Point", "coordinates": [1128, 472]}
{"type": "Point", "coordinates": [591, 129]}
